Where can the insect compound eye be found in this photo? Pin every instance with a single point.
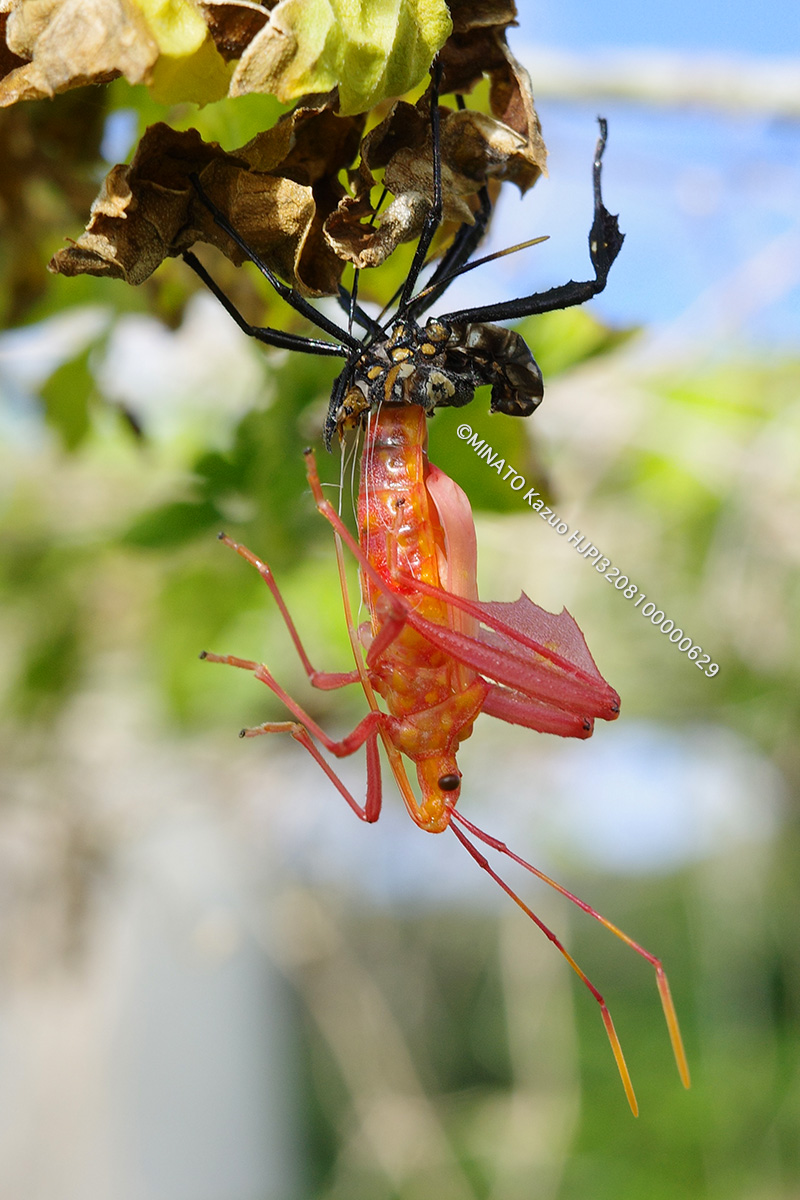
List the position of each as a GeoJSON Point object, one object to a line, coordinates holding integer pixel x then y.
{"type": "Point", "coordinates": [449, 783]}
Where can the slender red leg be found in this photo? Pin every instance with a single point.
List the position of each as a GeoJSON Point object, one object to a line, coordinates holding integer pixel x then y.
{"type": "Point", "coordinates": [364, 734]}
{"type": "Point", "coordinates": [324, 680]}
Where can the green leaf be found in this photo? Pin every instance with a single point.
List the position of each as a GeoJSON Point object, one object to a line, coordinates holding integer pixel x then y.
{"type": "Point", "coordinates": [202, 77]}
{"type": "Point", "coordinates": [189, 66]}
{"type": "Point", "coordinates": [65, 397]}
{"type": "Point", "coordinates": [369, 50]}
{"type": "Point", "coordinates": [172, 525]}
{"type": "Point", "coordinates": [560, 340]}
{"type": "Point", "coordinates": [52, 667]}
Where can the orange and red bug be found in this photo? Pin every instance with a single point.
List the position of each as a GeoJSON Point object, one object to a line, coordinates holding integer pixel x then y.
{"type": "Point", "coordinates": [438, 657]}
{"type": "Point", "coordinates": [435, 655]}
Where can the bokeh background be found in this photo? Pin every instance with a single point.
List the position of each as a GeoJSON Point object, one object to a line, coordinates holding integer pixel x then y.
{"type": "Point", "coordinates": [215, 983]}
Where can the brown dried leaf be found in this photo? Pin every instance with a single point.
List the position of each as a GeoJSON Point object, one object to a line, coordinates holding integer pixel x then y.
{"type": "Point", "coordinates": [478, 47]}
{"type": "Point", "coordinates": [473, 48]}
{"type": "Point", "coordinates": [511, 100]}
{"type": "Point", "coordinates": [276, 191]}
{"type": "Point", "coordinates": [53, 45]}
{"type": "Point", "coordinates": [233, 24]}
{"type": "Point", "coordinates": [281, 191]}
{"type": "Point", "coordinates": [50, 155]}
{"type": "Point", "coordinates": [475, 149]}
{"type": "Point", "coordinates": [9, 61]}
{"type": "Point", "coordinates": [477, 14]}
{"type": "Point", "coordinates": [201, 50]}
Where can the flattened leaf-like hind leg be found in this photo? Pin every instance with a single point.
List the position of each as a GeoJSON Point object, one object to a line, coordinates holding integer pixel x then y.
{"type": "Point", "coordinates": [457, 819]}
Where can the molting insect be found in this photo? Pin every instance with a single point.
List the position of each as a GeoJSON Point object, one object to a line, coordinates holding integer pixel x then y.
{"type": "Point", "coordinates": [440, 363]}
{"type": "Point", "coordinates": [434, 653]}
{"type": "Point", "coordinates": [439, 657]}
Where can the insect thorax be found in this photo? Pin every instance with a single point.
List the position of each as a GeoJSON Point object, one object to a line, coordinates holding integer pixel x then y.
{"type": "Point", "coordinates": [436, 366]}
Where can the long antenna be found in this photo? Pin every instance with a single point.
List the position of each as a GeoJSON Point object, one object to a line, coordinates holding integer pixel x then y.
{"type": "Point", "coordinates": [446, 280]}
{"type": "Point", "coordinates": [661, 978]}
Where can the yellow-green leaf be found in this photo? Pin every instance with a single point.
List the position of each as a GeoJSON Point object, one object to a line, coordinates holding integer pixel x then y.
{"type": "Point", "coordinates": [177, 25]}
{"type": "Point", "coordinates": [369, 49]}
{"type": "Point", "coordinates": [189, 66]}
{"type": "Point", "coordinates": [202, 77]}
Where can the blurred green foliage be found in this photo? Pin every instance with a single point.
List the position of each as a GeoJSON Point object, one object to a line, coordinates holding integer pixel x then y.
{"type": "Point", "coordinates": [688, 479]}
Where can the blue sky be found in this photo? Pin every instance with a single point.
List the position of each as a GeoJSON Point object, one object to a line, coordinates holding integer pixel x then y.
{"type": "Point", "coordinates": [732, 27]}
{"type": "Point", "coordinates": [710, 201]}
{"type": "Point", "coordinates": [702, 199]}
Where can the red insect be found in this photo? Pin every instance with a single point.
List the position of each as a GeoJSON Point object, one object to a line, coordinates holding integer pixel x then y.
{"type": "Point", "coordinates": [439, 657]}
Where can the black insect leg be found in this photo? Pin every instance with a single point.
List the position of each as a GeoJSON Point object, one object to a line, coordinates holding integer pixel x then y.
{"type": "Point", "coordinates": [292, 297]}
{"type": "Point", "coordinates": [270, 337]}
{"type": "Point", "coordinates": [466, 241]}
{"type": "Point", "coordinates": [434, 217]}
{"type": "Point", "coordinates": [605, 241]}
{"type": "Point", "coordinates": [338, 392]}
{"type": "Point", "coordinates": [357, 315]}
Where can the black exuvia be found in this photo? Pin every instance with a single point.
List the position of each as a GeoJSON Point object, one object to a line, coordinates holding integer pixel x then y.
{"type": "Point", "coordinates": [439, 362]}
